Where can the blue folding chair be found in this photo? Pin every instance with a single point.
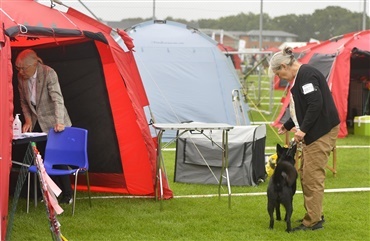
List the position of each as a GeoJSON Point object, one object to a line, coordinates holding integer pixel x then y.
{"type": "Point", "coordinates": [68, 148]}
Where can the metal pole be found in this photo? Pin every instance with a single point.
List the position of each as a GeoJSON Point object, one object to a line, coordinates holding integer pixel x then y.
{"type": "Point", "coordinates": [271, 94]}
{"type": "Point", "coordinates": [364, 17]}
{"type": "Point", "coordinates": [261, 22]}
{"type": "Point", "coordinates": [154, 10]}
{"type": "Point", "coordinates": [260, 48]}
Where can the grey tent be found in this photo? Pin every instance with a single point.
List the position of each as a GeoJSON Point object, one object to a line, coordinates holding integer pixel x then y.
{"type": "Point", "coordinates": [185, 75]}
{"type": "Point", "coordinates": [199, 157]}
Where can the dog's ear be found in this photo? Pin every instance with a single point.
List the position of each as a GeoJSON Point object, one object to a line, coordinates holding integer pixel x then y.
{"type": "Point", "coordinates": [279, 150]}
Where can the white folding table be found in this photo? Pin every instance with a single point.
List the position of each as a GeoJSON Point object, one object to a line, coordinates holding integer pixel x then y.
{"type": "Point", "coordinates": [193, 126]}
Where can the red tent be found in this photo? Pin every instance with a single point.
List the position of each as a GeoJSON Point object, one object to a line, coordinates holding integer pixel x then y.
{"type": "Point", "coordinates": [6, 112]}
{"type": "Point", "coordinates": [345, 61]}
{"type": "Point", "coordinates": [102, 89]}
{"type": "Point", "coordinates": [234, 57]}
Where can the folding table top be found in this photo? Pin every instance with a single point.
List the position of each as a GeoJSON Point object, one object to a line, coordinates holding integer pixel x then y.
{"type": "Point", "coordinates": [199, 126]}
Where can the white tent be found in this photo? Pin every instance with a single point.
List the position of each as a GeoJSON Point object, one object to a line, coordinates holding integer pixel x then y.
{"type": "Point", "coordinates": [186, 76]}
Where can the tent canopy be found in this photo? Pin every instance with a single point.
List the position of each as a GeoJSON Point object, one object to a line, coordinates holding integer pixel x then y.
{"type": "Point", "coordinates": [186, 76]}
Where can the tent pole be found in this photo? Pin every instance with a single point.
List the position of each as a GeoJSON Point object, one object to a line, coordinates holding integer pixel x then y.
{"type": "Point", "coordinates": [88, 10]}
{"type": "Point", "coordinates": [154, 18]}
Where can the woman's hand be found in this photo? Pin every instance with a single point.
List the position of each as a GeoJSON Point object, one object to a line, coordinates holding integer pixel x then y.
{"type": "Point", "coordinates": [282, 130]}
{"type": "Point", "coordinates": [299, 135]}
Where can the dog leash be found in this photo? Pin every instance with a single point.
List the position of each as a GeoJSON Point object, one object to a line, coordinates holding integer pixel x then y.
{"type": "Point", "coordinates": [292, 143]}
{"type": "Point", "coordinates": [298, 153]}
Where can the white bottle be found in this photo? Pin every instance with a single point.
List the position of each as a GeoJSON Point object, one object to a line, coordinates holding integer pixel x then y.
{"type": "Point", "coordinates": [17, 127]}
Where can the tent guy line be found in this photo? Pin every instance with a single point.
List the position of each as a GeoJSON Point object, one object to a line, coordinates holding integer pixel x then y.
{"type": "Point", "coordinates": [334, 190]}
{"type": "Point", "coordinates": [273, 148]}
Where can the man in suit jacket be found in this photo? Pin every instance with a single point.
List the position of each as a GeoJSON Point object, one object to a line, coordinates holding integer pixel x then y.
{"type": "Point", "coordinates": [41, 98]}
{"type": "Point", "coordinates": [42, 104]}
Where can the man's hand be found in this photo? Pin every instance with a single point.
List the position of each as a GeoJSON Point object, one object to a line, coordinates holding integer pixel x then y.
{"type": "Point", "coordinates": [27, 126]}
{"type": "Point", "coordinates": [59, 127]}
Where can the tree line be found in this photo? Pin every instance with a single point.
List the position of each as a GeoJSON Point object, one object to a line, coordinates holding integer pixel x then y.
{"type": "Point", "coordinates": [321, 25]}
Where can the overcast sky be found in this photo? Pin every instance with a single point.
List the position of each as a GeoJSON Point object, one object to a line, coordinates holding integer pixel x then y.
{"type": "Point", "coordinates": [116, 10]}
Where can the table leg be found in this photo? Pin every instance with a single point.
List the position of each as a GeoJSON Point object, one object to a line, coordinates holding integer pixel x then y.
{"type": "Point", "coordinates": [226, 148]}
{"type": "Point", "coordinates": [28, 191]}
{"type": "Point", "coordinates": [225, 164]}
{"type": "Point", "coordinates": [158, 183]}
{"type": "Point", "coordinates": [222, 166]}
{"type": "Point", "coordinates": [35, 189]}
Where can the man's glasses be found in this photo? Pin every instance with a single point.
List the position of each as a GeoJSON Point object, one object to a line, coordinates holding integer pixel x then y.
{"type": "Point", "coordinates": [22, 68]}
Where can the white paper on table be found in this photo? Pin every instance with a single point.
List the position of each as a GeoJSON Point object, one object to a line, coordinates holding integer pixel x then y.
{"type": "Point", "coordinates": [30, 134]}
{"type": "Point", "coordinates": [34, 134]}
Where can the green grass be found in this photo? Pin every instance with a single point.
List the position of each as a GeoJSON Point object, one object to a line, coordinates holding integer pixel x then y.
{"type": "Point", "coordinates": [197, 219]}
{"type": "Point", "coordinates": [347, 214]}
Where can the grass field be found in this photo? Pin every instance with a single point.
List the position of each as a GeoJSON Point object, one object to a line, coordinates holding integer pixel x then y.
{"type": "Point", "coordinates": [347, 214]}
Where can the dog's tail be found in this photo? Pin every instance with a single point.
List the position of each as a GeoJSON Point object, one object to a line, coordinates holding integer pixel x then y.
{"type": "Point", "coordinates": [285, 171]}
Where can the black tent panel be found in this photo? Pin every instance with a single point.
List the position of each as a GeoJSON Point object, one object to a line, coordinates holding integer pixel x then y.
{"type": "Point", "coordinates": [85, 95]}
{"type": "Point", "coordinates": [53, 32]}
{"type": "Point", "coordinates": [322, 62]}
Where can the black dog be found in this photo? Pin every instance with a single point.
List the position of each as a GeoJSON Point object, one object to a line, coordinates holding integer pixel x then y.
{"type": "Point", "coordinates": [282, 185]}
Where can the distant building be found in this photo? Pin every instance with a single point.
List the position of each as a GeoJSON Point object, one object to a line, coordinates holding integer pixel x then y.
{"type": "Point", "coordinates": [250, 39]}
{"type": "Point", "coordinates": [270, 38]}
{"type": "Point", "coordinates": [228, 38]}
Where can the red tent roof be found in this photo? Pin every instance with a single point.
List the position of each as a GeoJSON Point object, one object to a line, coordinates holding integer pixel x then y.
{"type": "Point", "coordinates": [339, 75]}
